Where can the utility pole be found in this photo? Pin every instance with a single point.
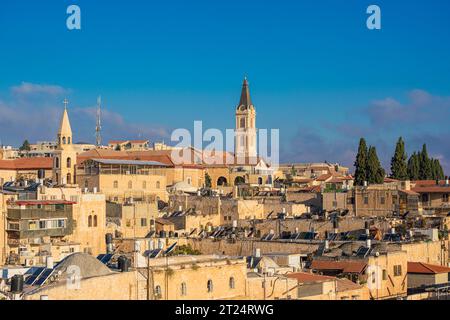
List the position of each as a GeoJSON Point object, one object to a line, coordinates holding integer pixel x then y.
{"type": "Point", "coordinates": [98, 127]}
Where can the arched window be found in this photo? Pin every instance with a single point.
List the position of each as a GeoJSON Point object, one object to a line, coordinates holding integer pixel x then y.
{"type": "Point", "coordinates": [90, 221]}
{"type": "Point", "coordinates": [158, 184]}
{"type": "Point", "coordinates": [130, 185]}
{"type": "Point", "coordinates": [232, 283]}
{"type": "Point", "coordinates": [69, 179]}
{"type": "Point", "coordinates": [68, 140]}
{"type": "Point", "coordinates": [56, 162]}
{"type": "Point", "coordinates": [183, 289]}
{"type": "Point", "coordinates": [242, 123]}
{"type": "Point", "coordinates": [209, 286]}
{"type": "Point", "coordinates": [64, 140]}
{"type": "Point", "coordinates": [95, 221]}
{"type": "Point", "coordinates": [158, 291]}
{"type": "Point", "coordinates": [222, 181]}
{"type": "Point", "coordinates": [69, 162]}
{"type": "Point", "coordinates": [260, 181]}
{"type": "Point", "coordinates": [144, 185]}
{"type": "Point", "coordinates": [116, 184]}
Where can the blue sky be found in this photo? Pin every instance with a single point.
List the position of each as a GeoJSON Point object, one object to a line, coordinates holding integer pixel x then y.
{"type": "Point", "coordinates": [315, 71]}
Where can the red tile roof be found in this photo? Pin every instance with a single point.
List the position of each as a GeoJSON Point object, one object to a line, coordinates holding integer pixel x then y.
{"type": "Point", "coordinates": [342, 266]}
{"type": "Point", "coordinates": [432, 189]}
{"type": "Point", "coordinates": [324, 177]}
{"type": "Point", "coordinates": [425, 268]}
{"type": "Point", "coordinates": [41, 202]}
{"type": "Point", "coordinates": [27, 164]}
{"type": "Point", "coordinates": [341, 284]}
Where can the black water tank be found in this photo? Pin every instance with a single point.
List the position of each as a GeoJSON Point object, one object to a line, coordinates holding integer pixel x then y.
{"type": "Point", "coordinates": [17, 283]}
{"type": "Point", "coordinates": [123, 263]}
{"type": "Point", "coordinates": [109, 238]}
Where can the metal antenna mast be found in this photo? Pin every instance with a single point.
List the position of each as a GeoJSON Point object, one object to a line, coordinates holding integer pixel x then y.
{"type": "Point", "coordinates": [98, 127]}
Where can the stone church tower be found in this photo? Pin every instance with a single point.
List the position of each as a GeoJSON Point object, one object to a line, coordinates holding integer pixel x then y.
{"type": "Point", "coordinates": [245, 133]}
{"type": "Point", "coordinates": [65, 158]}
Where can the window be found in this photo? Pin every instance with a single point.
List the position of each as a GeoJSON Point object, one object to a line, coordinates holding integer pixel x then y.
{"type": "Point", "coordinates": [209, 286]}
{"type": "Point", "coordinates": [158, 291]}
{"type": "Point", "coordinates": [242, 123]}
{"type": "Point", "coordinates": [116, 184]}
{"type": "Point", "coordinates": [69, 162]}
{"type": "Point", "coordinates": [95, 221]}
{"type": "Point", "coordinates": [32, 225]}
{"type": "Point", "coordinates": [68, 179]}
{"type": "Point", "coordinates": [158, 185]}
{"type": "Point", "coordinates": [68, 140]}
{"type": "Point", "coordinates": [397, 270]}
{"type": "Point", "coordinates": [42, 225]}
{"type": "Point", "coordinates": [445, 197]}
{"type": "Point", "coordinates": [56, 162]}
{"type": "Point", "coordinates": [130, 185]}
{"type": "Point", "coordinates": [384, 274]}
{"type": "Point", "coordinates": [90, 221]}
{"type": "Point", "coordinates": [232, 284]}
{"type": "Point", "coordinates": [143, 222]}
{"type": "Point", "coordinates": [144, 185]}
{"type": "Point", "coordinates": [383, 200]}
{"type": "Point", "coordinates": [183, 289]}
{"type": "Point", "coordinates": [335, 204]}
{"type": "Point", "coordinates": [425, 197]}
{"type": "Point", "coordinates": [64, 140]}
{"type": "Point", "coordinates": [366, 200]}
{"type": "Point", "coordinates": [374, 277]}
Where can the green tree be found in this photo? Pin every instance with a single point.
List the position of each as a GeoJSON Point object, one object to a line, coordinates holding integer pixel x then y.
{"type": "Point", "coordinates": [399, 166]}
{"type": "Point", "coordinates": [414, 167]}
{"type": "Point", "coordinates": [207, 180]}
{"type": "Point", "coordinates": [25, 146]}
{"type": "Point", "coordinates": [375, 173]}
{"type": "Point", "coordinates": [425, 171]}
{"type": "Point", "coordinates": [361, 163]}
{"type": "Point", "coordinates": [436, 169]}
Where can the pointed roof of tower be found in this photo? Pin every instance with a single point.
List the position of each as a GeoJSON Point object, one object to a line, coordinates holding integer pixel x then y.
{"type": "Point", "coordinates": [246, 100]}
{"type": "Point", "coordinates": [64, 127]}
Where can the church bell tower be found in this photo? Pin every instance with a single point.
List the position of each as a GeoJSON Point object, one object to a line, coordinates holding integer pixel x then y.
{"type": "Point", "coordinates": [245, 133]}
{"type": "Point", "coordinates": [65, 157]}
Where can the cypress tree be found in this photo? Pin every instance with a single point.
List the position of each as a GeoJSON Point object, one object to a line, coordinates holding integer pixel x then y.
{"type": "Point", "coordinates": [375, 172]}
{"type": "Point", "coordinates": [413, 167]}
{"type": "Point", "coordinates": [425, 172]}
{"type": "Point", "coordinates": [361, 163]}
{"type": "Point", "coordinates": [399, 166]}
{"type": "Point", "coordinates": [436, 169]}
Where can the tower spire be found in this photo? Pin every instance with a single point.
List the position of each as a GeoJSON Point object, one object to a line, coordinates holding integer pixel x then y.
{"type": "Point", "coordinates": [245, 100]}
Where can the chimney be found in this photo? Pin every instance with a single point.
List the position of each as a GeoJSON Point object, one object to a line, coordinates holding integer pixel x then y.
{"type": "Point", "coordinates": [367, 227]}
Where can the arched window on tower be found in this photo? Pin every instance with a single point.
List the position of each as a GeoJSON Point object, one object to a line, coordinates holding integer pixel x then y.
{"type": "Point", "coordinates": [68, 140]}
{"type": "Point", "coordinates": [95, 221]}
{"type": "Point", "coordinates": [64, 140]}
{"type": "Point", "coordinates": [242, 123]}
{"type": "Point", "coordinates": [69, 162]}
{"type": "Point", "coordinates": [90, 221]}
{"type": "Point", "coordinates": [69, 179]}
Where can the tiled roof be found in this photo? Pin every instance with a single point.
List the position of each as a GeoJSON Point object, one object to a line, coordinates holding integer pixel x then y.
{"type": "Point", "coordinates": [27, 164]}
{"type": "Point", "coordinates": [432, 189]}
{"type": "Point", "coordinates": [341, 284]}
{"type": "Point", "coordinates": [425, 268]}
{"type": "Point", "coordinates": [324, 177]}
{"type": "Point", "coordinates": [343, 266]}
